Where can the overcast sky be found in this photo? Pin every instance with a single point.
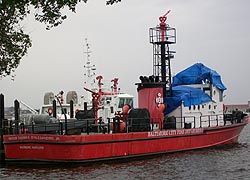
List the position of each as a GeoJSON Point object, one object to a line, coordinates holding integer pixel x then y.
{"type": "Point", "coordinates": [216, 33]}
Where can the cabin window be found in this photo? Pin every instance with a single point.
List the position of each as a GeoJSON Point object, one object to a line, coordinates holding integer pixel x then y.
{"type": "Point", "coordinates": [207, 91]}
{"type": "Point", "coordinates": [209, 107]}
{"type": "Point", "coordinates": [198, 107]}
{"type": "Point", "coordinates": [194, 107]}
{"type": "Point", "coordinates": [189, 108]}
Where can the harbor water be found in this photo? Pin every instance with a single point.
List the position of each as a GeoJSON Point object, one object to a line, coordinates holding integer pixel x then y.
{"type": "Point", "coordinates": [225, 162]}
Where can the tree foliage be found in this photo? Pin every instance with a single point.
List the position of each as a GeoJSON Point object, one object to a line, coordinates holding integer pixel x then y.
{"type": "Point", "coordinates": [14, 42]}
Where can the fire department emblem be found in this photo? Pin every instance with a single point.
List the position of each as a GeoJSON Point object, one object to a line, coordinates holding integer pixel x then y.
{"type": "Point", "coordinates": [159, 99]}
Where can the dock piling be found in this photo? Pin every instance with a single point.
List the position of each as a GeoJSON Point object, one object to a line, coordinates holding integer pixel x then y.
{"type": "Point", "coordinates": [2, 157]}
{"type": "Point", "coordinates": [17, 112]}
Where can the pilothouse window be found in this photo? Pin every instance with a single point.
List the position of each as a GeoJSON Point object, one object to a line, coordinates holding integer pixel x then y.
{"type": "Point", "coordinates": [121, 103]}
{"type": "Point", "coordinates": [124, 101]}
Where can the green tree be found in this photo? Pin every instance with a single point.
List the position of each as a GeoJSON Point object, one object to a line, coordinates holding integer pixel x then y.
{"type": "Point", "coordinates": [14, 42]}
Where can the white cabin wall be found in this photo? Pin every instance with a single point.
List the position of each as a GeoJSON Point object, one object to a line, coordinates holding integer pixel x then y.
{"type": "Point", "coordinates": [197, 113]}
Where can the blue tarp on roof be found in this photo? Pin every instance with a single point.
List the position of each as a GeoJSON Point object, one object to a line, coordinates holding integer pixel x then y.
{"type": "Point", "coordinates": [189, 96]}
{"type": "Point", "coordinates": [197, 74]}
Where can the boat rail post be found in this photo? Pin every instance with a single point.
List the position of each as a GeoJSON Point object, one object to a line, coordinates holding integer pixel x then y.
{"type": "Point", "coordinates": [17, 113]}
{"type": "Point", "coordinates": [87, 129]}
{"type": "Point", "coordinates": [114, 125]}
{"type": "Point", "coordinates": [181, 121]}
{"type": "Point", "coordinates": [118, 124]}
{"type": "Point", "coordinates": [208, 121]}
{"type": "Point", "coordinates": [100, 124]}
{"type": "Point", "coordinates": [85, 106]}
{"type": "Point", "coordinates": [194, 122]}
{"type": "Point", "coordinates": [54, 108]}
{"type": "Point", "coordinates": [60, 128]}
{"type": "Point", "coordinates": [131, 124]}
{"type": "Point", "coordinates": [10, 127]}
{"type": "Point", "coordinates": [161, 122]}
{"type": "Point", "coordinates": [108, 125]}
{"type": "Point", "coordinates": [2, 156]}
{"type": "Point", "coordinates": [127, 125]}
{"type": "Point", "coordinates": [200, 121]}
{"type": "Point", "coordinates": [151, 124]}
{"type": "Point", "coordinates": [224, 119]}
{"type": "Point", "coordinates": [217, 120]}
{"type": "Point", "coordinates": [32, 126]}
{"type": "Point", "coordinates": [45, 128]}
{"type": "Point", "coordinates": [1, 112]}
{"type": "Point", "coordinates": [184, 121]}
{"type": "Point", "coordinates": [22, 128]}
{"type": "Point", "coordinates": [71, 108]}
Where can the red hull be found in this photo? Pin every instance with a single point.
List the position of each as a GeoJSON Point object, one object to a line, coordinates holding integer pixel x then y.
{"type": "Point", "coordinates": [96, 147]}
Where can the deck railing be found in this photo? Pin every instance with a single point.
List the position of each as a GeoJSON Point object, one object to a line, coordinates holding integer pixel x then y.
{"type": "Point", "coordinates": [118, 125]}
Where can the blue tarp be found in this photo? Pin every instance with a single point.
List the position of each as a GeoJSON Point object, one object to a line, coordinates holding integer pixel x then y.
{"type": "Point", "coordinates": [197, 74]}
{"type": "Point", "coordinates": [189, 96]}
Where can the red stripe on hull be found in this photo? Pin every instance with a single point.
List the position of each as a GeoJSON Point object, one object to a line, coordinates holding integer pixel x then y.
{"type": "Point", "coordinates": [105, 146]}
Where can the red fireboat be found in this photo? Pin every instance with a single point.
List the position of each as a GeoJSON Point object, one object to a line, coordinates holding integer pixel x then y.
{"type": "Point", "coordinates": [177, 113]}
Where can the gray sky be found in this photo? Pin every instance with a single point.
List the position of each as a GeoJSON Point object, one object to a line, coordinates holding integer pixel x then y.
{"type": "Point", "coordinates": [212, 32]}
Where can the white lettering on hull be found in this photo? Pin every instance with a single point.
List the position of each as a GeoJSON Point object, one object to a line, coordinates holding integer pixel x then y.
{"type": "Point", "coordinates": [34, 137]}
{"type": "Point", "coordinates": [176, 132]}
{"type": "Point", "coordinates": [32, 147]}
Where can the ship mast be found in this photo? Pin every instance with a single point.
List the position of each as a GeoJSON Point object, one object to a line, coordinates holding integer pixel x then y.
{"type": "Point", "coordinates": [90, 68]}
{"type": "Point", "coordinates": [161, 37]}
